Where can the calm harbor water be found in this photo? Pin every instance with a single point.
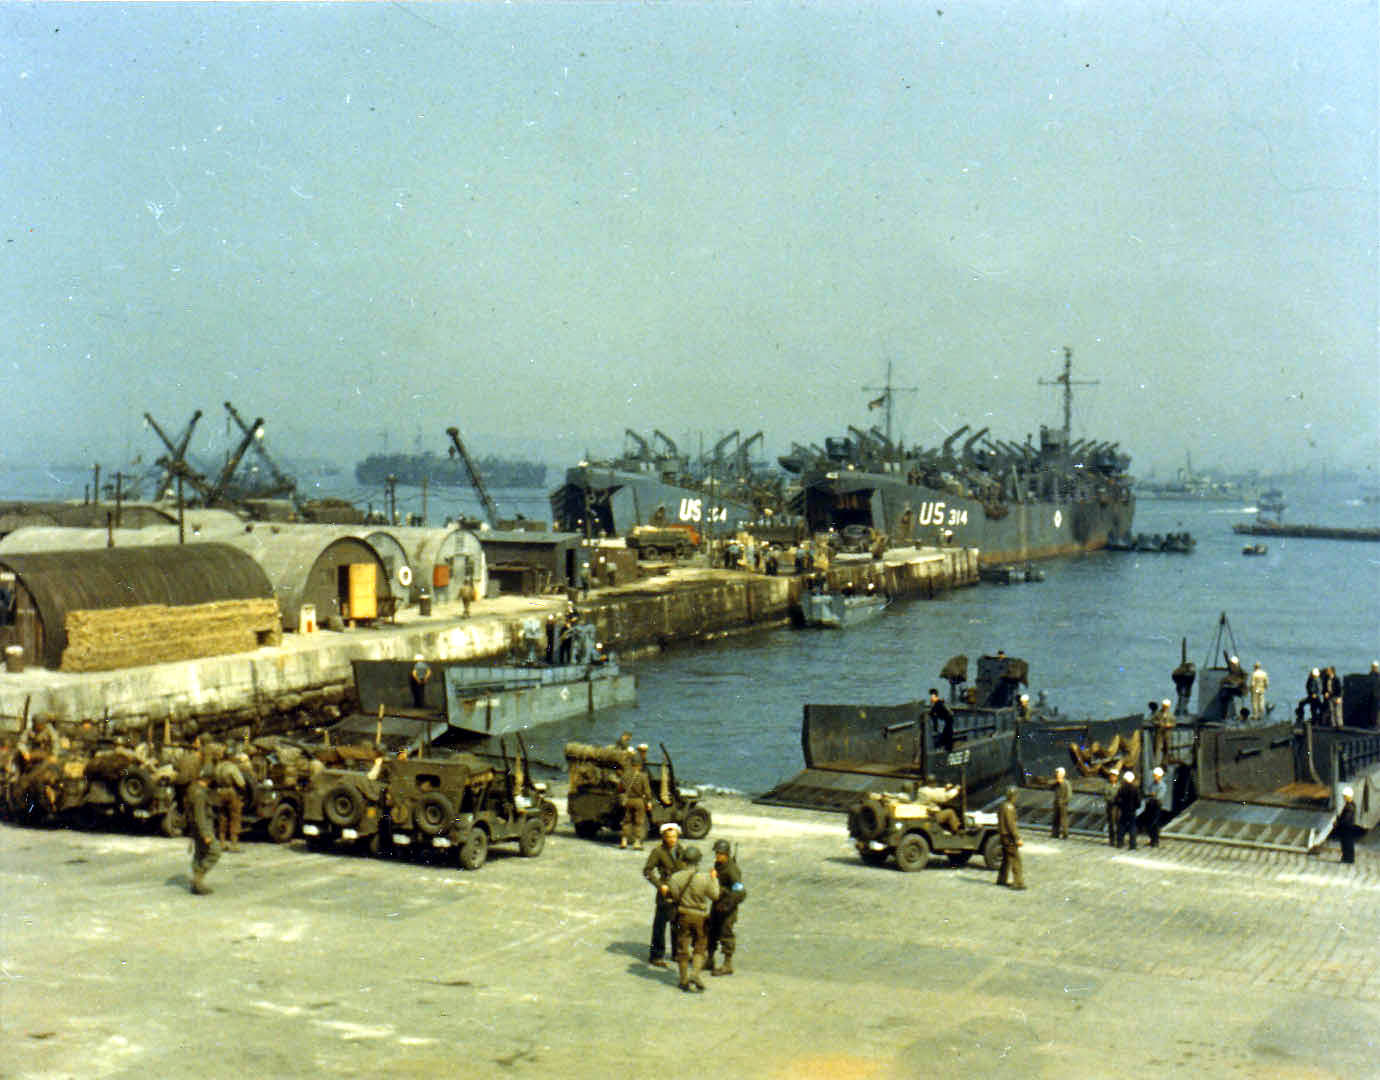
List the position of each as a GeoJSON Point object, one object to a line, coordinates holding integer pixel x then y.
{"type": "Point", "coordinates": [1101, 632]}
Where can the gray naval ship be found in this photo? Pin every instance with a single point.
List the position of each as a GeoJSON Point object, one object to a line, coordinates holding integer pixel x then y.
{"type": "Point", "coordinates": [1014, 502]}
{"type": "Point", "coordinates": [652, 483]}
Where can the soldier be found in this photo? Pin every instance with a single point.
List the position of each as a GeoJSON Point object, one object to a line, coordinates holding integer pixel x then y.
{"type": "Point", "coordinates": [1184, 676]}
{"type": "Point", "coordinates": [1010, 842]}
{"type": "Point", "coordinates": [663, 861]}
{"type": "Point", "coordinates": [941, 721]}
{"type": "Point", "coordinates": [1127, 805]}
{"type": "Point", "coordinates": [1023, 708]}
{"type": "Point", "coordinates": [1113, 811]}
{"type": "Point", "coordinates": [694, 893]}
{"type": "Point", "coordinates": [1345, 827]}
{"type": "Point", "coordinates": [418, 677]}
{"type": "Point", "coordinates": [229, 781]}
{"type": "Point", "coordinates": [941, 803]}
{"type": "Point", "coordinates": [1155, 799]}
{"type": "Point", "coordinates": [723, 916]}
{"type": "Point", "coordinates": [201, 821]}
{"type": "Point", "coordinates": [1063, 792]}
{"type": "Point", "coordinates": [1164, 724]}
{"type": "Point", "coordinates": [1259, 683]}
{"type": "Point", "coordinates": [637, 803]}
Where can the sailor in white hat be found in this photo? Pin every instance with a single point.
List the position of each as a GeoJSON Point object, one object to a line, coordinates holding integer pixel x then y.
{"type": "Point", "coordinates": [1155, 798]}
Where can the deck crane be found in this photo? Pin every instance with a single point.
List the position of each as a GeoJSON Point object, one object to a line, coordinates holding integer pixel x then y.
{"type": "Point", "coordinates": [177, 451]}
{"type": "Point", "coordinates": [477, 481]}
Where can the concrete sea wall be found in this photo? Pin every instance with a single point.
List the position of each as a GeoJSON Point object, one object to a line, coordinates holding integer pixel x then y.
{"type": "Point", "coordinates": [307, 677]}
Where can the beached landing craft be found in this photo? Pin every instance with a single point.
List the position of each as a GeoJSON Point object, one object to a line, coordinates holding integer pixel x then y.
{"type": "Point", "coordinates": [1014, 502]}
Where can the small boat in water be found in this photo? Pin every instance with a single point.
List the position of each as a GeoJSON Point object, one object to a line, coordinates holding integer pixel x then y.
{"type": "Point", "coordinates": [834, 610]}
{"type": "Point", "coordinates": [1255, 549]}
{"type": "Point", "coordinates": [1010, 575]}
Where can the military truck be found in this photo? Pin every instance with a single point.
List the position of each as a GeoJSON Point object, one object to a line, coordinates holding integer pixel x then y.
{"type": "Point", "coordinates": [652, 541]}
{"type": "Point", "coordinates": [901, 826]}
{"type": "Point", "coordinates": [596, 787]}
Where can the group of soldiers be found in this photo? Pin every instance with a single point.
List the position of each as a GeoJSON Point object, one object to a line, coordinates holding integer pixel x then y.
{"type": "Point", "coordinates": [1127, 809]}
{"type": "Point", "coordinates": [699, 906]}
{"type": "Point", "coordinates": [203, 787]}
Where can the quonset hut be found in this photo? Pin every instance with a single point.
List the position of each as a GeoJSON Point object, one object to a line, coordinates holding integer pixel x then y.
{"type": "Point", "coordinates": [42, 590]}
{"type": "Point", "coordinates": [321, 566]}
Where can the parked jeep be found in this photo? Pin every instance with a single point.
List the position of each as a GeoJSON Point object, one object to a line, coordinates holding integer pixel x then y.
{"type": "Point", "coordinates": [896, 825]}
{"type": "Point", "coordinates": [342, 806]}
{"type": "Point", "coordinates": [596, 788]}
{"type": "Point", "coordinates": [466, 803]}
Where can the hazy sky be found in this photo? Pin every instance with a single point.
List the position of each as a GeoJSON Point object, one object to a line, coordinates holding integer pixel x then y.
{"type": "Point", "coordinates": [549, 222]}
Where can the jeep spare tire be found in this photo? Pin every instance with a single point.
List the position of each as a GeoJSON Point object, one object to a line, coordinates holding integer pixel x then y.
{"type": "Point", "coordinates": [343, 806]}
{"type": "Point", "coordinates": [434, 813]}
{"type": "Point", "coordinates": [871, 821]}
{"type": "Point", "coordinates": [135, 788]}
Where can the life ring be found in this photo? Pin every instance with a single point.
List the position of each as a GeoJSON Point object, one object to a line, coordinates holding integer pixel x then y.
{"type": "Point", "coordinates": [405, 575]}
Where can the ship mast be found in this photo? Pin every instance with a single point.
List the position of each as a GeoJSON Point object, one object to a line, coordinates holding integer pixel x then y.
{"type": "Point", "coordinates": [888, 397]}
{"type": "Point", "coordinates": [1068, 383]}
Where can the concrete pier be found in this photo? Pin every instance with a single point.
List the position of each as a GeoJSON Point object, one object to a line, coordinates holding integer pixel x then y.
{"type": "Point", "coordinates": [280, 687]}
{"type": "Point", "coordinates": [1207, 962]}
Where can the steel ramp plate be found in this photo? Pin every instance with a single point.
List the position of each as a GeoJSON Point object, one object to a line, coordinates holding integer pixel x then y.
{"type": "Point", "coordinates": [1276, 828]}
{"type": "Point", "coordinates": [824, 789]}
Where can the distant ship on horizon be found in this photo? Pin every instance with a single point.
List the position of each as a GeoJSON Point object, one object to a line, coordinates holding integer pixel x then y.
{"type": "Point", "coordinates": [439, 471]}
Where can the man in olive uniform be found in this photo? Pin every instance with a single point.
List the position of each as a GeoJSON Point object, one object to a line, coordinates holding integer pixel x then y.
{"type": "Point", "coordinates": [230, 783]}
{"type": "Point", "coordinates": [1113, 811]}
{"type": "Point", "coordinates": [637, 801]}
{"type": "Point", "coordinates": [663, 861]}
{"type": "Point", "coordinates": [724, 914]}
{"type": "Point", "coordinates": [694, 893]}
{"type": "Point", "coordinates": [201, 822]}
{"type": "Point", "coordinates": [1010, 842]}
{"type": "Point", "coordinates": [1063, 792]}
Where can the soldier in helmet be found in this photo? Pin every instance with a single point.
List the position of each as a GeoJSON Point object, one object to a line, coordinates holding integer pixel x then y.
{"type": "Point", "coordinates": [724, 914]}
{"type": "Point", "coordinates": [201, 823]}
{"type": "Point", "coordinates": [694, 892]}
{"type": "Point", "coordinates": [637, 801]}
{"type": "Point", "coordinates": [417, 678]}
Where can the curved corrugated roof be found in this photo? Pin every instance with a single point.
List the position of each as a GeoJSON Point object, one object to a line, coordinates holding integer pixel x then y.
{"type": "Point", "coordinates": [178, 574]}
{"type": "Point", "coordinates": [199, 526]}
{"type": "Point", "coordinates": [290, 553]}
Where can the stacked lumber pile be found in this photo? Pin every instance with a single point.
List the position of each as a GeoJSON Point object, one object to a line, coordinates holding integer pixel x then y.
{"type": "Point", "coordinates": [110, 638]}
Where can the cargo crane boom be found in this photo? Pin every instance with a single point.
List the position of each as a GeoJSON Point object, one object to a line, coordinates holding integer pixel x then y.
{"type": "Point", "coordinates": [285, 483]}
{"type": "Point", "coordinates": [477, 481]}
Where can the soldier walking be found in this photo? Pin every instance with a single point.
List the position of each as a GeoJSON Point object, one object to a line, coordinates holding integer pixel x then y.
{"type": "Point", "coordinates": [663, 861]}
{"type": "Point", "coordinates": [1063, 792]}
{"type": "Point", "coordinates": [724, 914]}
{"type": "Point", "coordinates": [694, 892]}
{"type": "Point", "coordinates": [1010, 842]}
{"type": "Point", "coordinates": [201, 820]}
